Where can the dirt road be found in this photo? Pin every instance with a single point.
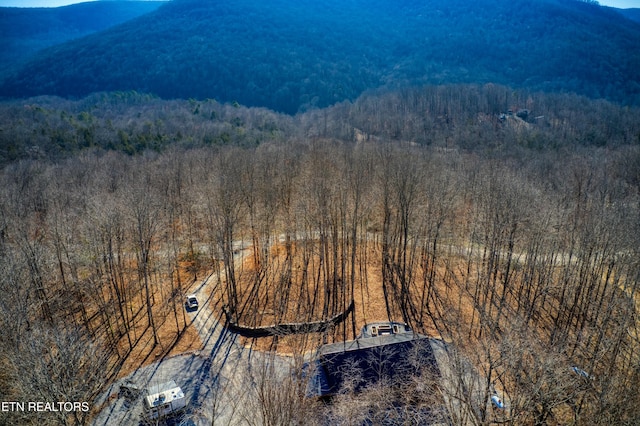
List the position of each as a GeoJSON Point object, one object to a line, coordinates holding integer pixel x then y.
{"type": "Point", "coordinates": [220, 380]}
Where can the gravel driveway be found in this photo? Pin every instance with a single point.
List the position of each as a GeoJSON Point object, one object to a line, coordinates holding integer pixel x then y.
{"type": "Point", "coordinates": [219, 380]}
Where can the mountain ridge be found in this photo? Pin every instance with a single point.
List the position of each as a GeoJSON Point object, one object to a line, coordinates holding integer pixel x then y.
{"type": "Point", "coordinates": [632, 14]}
{"type": "Point", "coordinates": [27, 30]}
{"type": "Point", "coordinates": [292, 57]}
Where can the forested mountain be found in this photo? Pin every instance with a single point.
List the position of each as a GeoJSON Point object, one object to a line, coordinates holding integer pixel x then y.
{"type": "Point", "coordinates": [424, 162]}
{"type": "Point", "coordinates": [24, 31]}
{"type": "Point", "coordinates": [292, 56]}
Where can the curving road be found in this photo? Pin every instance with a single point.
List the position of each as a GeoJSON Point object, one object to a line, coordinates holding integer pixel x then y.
{"type": "Point", "coordinates": [221, 380]}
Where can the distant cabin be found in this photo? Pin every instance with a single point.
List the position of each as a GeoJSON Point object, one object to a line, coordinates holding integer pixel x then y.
{"type": "Point", "coordinates": [384, 351]}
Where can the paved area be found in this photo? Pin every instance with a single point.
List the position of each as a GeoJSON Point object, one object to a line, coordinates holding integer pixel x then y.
{"type": "Point", "coordinates": [221, 381]}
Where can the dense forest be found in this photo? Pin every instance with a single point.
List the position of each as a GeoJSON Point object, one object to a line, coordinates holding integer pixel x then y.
{"type": "Point", "coordinates": [291, 57]}
{"type": "Point", "coordinates": [469, 168]}
{"type": "Point", "coordinates": [633, 14]}
{"type": "Point", "coordinates": [504, 221]}
{"type": "Point", "coordinates": [24, 31]}
{"type": "Point", "coordinates": [488, 118]}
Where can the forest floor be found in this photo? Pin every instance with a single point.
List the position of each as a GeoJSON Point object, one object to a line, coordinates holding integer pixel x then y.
{"type": "Point", "coordinates": [217, 375]}
{"type": "Point", "coordinates": [177, 337]}
{"type": "Point", "coordinates": [205, 358]}
{"type": "Point", "coordinates": [370, 305]}
{"type": "Point", "coordinates": [171, 343]}
{"type": "Point", "coordinates": [174, 333]}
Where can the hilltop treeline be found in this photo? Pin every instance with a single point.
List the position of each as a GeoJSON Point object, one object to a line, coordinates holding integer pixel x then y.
{"type": "Point", "coordinates": [291, 57]}
{"type": "Point", "coordinates": [523, 255]}
{"type": "Point", "coordinates": [470, 117]}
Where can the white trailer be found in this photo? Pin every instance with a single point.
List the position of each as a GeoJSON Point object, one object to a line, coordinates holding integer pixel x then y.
{"type": "Point", "coordinates": [163, 400]}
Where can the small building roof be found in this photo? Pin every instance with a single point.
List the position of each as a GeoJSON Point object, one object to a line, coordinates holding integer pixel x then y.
{"type": "Point", "coordinates": [365, 361]}
{"type": "Point", "coordinates": [368, 343]}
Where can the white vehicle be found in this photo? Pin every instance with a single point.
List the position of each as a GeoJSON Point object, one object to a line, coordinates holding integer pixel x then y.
{"type": "Point", "coordinates": [192, 302]}
{"type": "Point", "coordinates": [163, 400]}
{"type": "Point", "coordinates": [581, 372]}
{"type": "Point", "coordinates": [497, 402]}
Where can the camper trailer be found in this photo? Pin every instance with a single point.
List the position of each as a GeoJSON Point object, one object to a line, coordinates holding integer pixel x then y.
{"type": "Point", "coordinates": [164, 400]}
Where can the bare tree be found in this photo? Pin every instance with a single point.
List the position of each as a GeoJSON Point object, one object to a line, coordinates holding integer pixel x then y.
{"type": "Point", "coordinates": [62, 368]}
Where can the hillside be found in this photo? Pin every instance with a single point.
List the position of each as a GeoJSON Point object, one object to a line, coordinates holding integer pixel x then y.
{"type": "Point", "coordinates": [294, 56]}
{"type": "Point", "coordinates": [633, 13]}
{"type": "Point", "coordinates": [514, 237]}
{"type": "Point", "coordinates": [468, 117]}
{"type": "Point", "coordinates": [24, 31]}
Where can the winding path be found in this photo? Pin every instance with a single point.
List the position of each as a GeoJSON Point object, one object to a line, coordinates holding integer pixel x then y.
{"type": "Point", "coordinates": [219, 380]}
